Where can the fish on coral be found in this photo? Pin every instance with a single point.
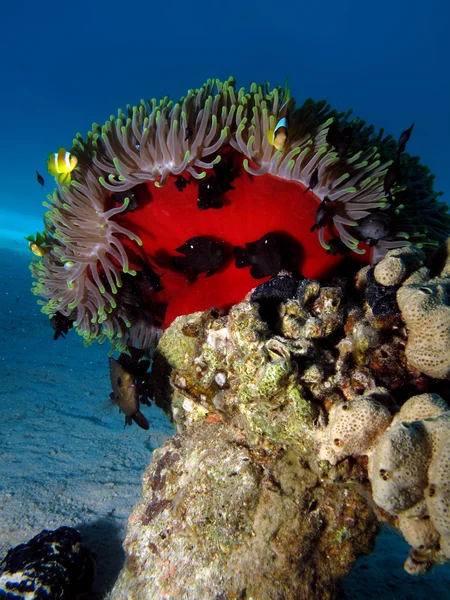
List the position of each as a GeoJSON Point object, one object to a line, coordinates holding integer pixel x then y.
{"type": "Point", "coordinates": [373, 228]}
{"type": "Point", "coordinates": [40, 179]}
{"type": "Point", "coordinates": [340, 139]}
{"type": "Point", "coordinates": [38, 243]}
{"type": "Point", "coordinates": [128, 199]}
{"type": "Point", "coordinates": [201, 255]}
{"type": "Point", "coordinates": [313, 181]}
{"type": "Point", "coordinates": [263, 256]}
{"type": "Point", "coordinates": [391, 177]}
{"type": "Point", "coordinates": [137, 363]}
{"type": "Point", "coordinates": [404, 139]}
{"type": "Point", "coordinates": [278, 135]}
{"type": "Point", "coordinates": [210, 190]}
{"type": "Point", "coordinates": [336, 246]}
{"type": "Point", "coordinates": [181, 183]}
{"type": "Point", "coordinates": [61, 324]}
{"type": "Point", "coordinates": [124, 394]}
{"type": "Point", "coordinates": [61, 164]}
{"type": "Point", "coordinates": [322, 215]}
{"type": "Point", "coordinates": [149, 277]}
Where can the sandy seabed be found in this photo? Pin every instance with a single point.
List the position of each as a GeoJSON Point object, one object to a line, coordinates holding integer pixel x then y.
{"type": "Point", "coordinates": [66, 458]}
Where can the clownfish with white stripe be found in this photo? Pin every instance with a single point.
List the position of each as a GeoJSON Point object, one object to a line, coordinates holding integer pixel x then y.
{"type": "Point", "coordinates": [60, 164]}
{"type": "Point", "coordinates": [278, 135]}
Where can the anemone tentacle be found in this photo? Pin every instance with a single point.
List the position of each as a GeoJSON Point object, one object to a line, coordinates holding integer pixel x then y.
{"type": "Point", "coordinates": [88, 258]}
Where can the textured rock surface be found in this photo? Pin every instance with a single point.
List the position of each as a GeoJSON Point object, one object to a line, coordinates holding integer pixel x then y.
{"type": "Point", "coordinates": [222, 519]}
{"type": "Point", "coordinates": [301, 417]}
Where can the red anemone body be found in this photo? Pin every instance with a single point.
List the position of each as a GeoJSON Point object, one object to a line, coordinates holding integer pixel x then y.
{"type": "Point", "coordinates": [166, 218]}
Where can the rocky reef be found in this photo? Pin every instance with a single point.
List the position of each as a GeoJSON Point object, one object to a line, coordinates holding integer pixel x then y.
{"type": "Point", "coordinates": [306, 416]}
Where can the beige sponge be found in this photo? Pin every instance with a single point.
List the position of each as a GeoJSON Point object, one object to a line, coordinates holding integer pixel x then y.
{"type": "Point", "coordinates": [354, 427]}
{"type": "Point", "coordinates": [398, 467]}
{"type": "Point", "coordinates": [398, 264]}
{"type": "Point", "coordinates": [426, 312]}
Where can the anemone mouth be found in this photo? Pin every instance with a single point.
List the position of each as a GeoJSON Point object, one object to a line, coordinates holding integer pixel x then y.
{"type": "Point", "coordinates": [134, 200]}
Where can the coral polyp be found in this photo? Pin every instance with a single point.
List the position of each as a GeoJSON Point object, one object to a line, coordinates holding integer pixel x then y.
{"type": "Point", "coordinates": [163, 173]}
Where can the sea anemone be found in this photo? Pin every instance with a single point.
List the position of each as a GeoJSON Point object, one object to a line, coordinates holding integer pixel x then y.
{"type": "Point", "coordinates": [113, 232]}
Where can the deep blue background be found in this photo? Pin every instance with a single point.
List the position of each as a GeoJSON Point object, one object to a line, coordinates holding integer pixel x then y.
{"type": "Point", "coordinates": [66, 65]}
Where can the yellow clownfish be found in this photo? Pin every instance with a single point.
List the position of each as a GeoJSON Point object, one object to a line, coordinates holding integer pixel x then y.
{"type": "Point", "coordinates": [37, 250]}
{"type": "Point", "coordinates": [60, 164]}
{"type": "Point", "coordinates": [277, 136]}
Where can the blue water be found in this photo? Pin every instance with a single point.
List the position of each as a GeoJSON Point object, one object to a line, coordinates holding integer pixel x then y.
{"type": "Point", "coordinates": [64, 66]}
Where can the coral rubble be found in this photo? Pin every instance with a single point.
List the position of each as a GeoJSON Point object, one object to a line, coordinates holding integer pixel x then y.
{"type": "Point", "coordinates": [303, 422]}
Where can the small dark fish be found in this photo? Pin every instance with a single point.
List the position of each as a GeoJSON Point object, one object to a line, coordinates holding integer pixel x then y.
{"type": "Point", "coordinates": [133, 204]}
{"type": "Point", "coordinates": [340, 140]}
{"type": "Point", "coordinates": [404, 138]}
{"type": "Point", "coordinates": [181, 183]}
{"type": "Point", "coordinates": [225, 172]}
{"type": "Point", "coordinates": [61, 325]}
{"type": "Point", "coordinates": [124, 394]}
{"type": "Point", "coordinates": [40, 179]}
{"type": "Point", "coordinates": [373, 228]}
{"type": "Point", "coordinates": [391, 177]}
{"type": "Point", "coordinates": [263, 256]}
{"type": "Point", "coordinates": [210, 190]}
{"type": "Point", "coordinates": [313, 180]}
{"type": "Point", "coordinates": [201, 254]}
{"type": "Point", "coordinates": [337, 246]}
{"type": "Point", "coordinates": [138, 366]}
{"type": "Point", "coordinates": [149, 278]}
{"type": "Point", "coordinates": [321, 215]}
{"type": "Point", "coordinates": [188, 133]}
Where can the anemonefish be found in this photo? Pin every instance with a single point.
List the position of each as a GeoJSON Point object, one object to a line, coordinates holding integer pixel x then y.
{"type": "Point", "coordinates": [278, 135]}
{"type": "Point", "coordinates": [37, 249]}
{"type": "Point", "coordinates": [60, 164]}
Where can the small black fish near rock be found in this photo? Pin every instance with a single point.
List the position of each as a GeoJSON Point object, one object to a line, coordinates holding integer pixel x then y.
{"type": "Point", "coordinates": [337, 246]}
{"type": "Point", "coordinates": [201, 255]}
{"type": "Point", "coordinates": [321, 215]}
{"type": "Point", "coordinates": [61, 324]}
{"type": "Point", "coordinates": [181, 183]}
{"type": "Point", "coordinates": [53, 564]}
{"type": "Point", "coordinates": [264, 256]}
{"type": "Point", "coordinates": [391, 177]}
{"type": "Point", "coordinates": [138, 365]}
{"type": "Point", "coordinates": [40, 179]}
{"type": "Point", "coordinates": [373, 228]}
{"type": "Point", "coordinates": [340, 140]}
{"type": "Point", "coordinates": [403, 139]}
{"type": "Point", "coordinates": [124, 394]}
{"type": "Point", "coordinates": [188, 133]}
{"type": "Point", "coordinates": [313, 181]}
{"type": "Point", "coordinates": [210, 190]}
{"type": "Point", "coordinates": [133, 203]}
{"type": "Point", "coordinates": [148, 278]}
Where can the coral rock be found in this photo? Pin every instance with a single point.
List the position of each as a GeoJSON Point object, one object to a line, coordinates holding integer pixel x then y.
{"type": "Point", "coordinates": [426, 312]}
{"type": "Point", "coordinates": [354, 427]}
{"type": "Point", "coordinates": [398, 467]}
{"type": "Point", "coordinates": [397, 265]}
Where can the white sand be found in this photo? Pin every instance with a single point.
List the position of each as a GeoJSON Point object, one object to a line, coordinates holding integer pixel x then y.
{"type": "Point", "coordinates": [66, 458]}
